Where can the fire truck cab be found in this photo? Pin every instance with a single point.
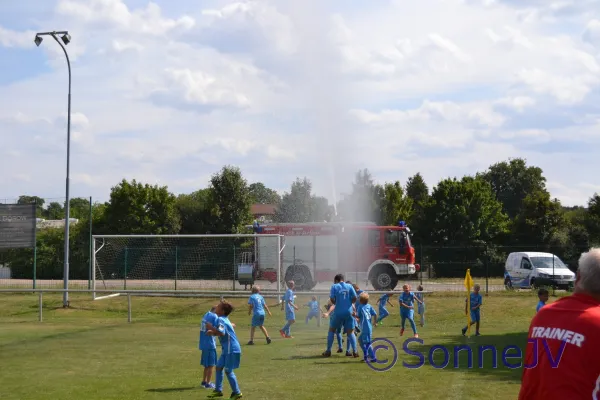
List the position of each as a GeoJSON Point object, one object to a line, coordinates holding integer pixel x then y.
{"type": "Point", "coordinates": [316, 252]}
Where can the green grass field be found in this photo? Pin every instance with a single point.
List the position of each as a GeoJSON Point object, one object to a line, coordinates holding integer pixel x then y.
{"type": "Point", "coordinates": [91, 352]}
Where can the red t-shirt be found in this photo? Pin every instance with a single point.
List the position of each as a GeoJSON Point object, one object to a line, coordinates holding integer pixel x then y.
{"type": "Point", "coordinates": [572, 323]}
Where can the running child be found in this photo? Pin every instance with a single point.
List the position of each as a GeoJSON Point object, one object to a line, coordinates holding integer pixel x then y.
{"type": "Point", "coordinates": [407, 309]}
{"type": "Point", "coordinates": [543, 297]}
{"type": "Point", "coordinates": [257, 307]}
{"type": "Point", "coordinates": [313, 311]}
{"type": "Point", "coordinates": [290, 311]}
{"type": "Point", "coordinates": [208, 346]}
{"type": "Point", "coordinates": [231, 352]}
{"type": "Point", "coordinates": [383, 301]}
{"type": "Point", "coordinates": [421, 306]}
{"type": "Point", "coordinates": [366, 316]}
{"type": "Point", "coordinates": [476, 301]}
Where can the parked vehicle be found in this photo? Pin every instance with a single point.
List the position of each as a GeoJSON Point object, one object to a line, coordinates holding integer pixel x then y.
{"type": "Point", "coordinates": [534, 269]}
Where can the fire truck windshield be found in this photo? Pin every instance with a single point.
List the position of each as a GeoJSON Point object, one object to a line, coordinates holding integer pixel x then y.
{"type": "Point", "coordinates": [396, 239]}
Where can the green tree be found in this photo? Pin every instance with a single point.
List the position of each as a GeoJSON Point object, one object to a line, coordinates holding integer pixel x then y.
{"type": "Point", "coordinates": [39, 202]}
{"type": "Point", "coordinates": [195, 212]}
{"type": "Point", "coordinates": [79, 208]}
{"type": "Point", "coordinates": [136, 208]}
{"type": "Point", "coordinates": [539, 221]}
{"type": "Point", "coordinates": [230, 201]}
{"type": "Point", "coordinates": [512, 181]}
{"type": "Point", "coordinates": [396, 205]}
{"type": "Point", "coordinates": [321, 211]}
{"type": "Point", "coordinates": [592, 220]}
{"type": "Point", "coordinates": [54, 210]}
{"type": "Point", "coordinates": [260, 194]}
{"type": "Point", "coordinates": [297, 205]}
{"type": "Point", "coordinates": [364, 202]}
{"type": "Point", "coordinates": [417, 190]}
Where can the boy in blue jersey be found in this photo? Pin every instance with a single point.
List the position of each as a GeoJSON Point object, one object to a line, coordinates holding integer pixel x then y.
{"type": "Point", "coordinates": [407, 309]}
{"type": "Point", "coordinates": [366, 317]}
{"type": "Point", "coordinates": [313, 311]}
{"type": "Point", "coordinates": [208, 346]}
{"type": "Point", "coordinates": [290, 311]}
{"type": "Point", "coordinates": [257, 307]}
{"type": "Point", "coordinates": [343, 296]}
{"type": "Point", "coordinates": [383, 301]}
{"type": "Point", "coordinates": [543, 297]}
{"type": "Point", "coordinates": [231, 352]}
{"type": "Point", "coordinates": [421, 307]}
{"type": "Point", "coordinates": [476, 300]}
{"type": "Point", "coordinates": [329, 313]}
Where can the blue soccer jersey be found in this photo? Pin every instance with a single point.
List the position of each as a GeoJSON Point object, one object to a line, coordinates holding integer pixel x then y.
{"type": "Point", "coordinates": [539, 306]}
{"type": "Point", "coordinates": [343, 294]}
{"type": "Point", "coordinates": [258, 304]}
{"type": "Point", "coordinates": [383, 300]}
{"type": "Point", "coordinates": [475, 300]}
{"type": "Point", "coordinates": [208, 342]}
{"type": "Point", "coordinates": [365, 314]}
{"type": "Point", "coordinates": [314, 306]}
{"type": "Point", "coordinates": [289, 298]}
{"type": "Point", "coordinates": [408, 298]}
{"type": "Point", "coordinates": [229, 341]}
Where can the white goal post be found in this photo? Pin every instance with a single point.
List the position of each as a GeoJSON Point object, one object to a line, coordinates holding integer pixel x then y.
{"type": "Point", "coordinates": [202, 263]}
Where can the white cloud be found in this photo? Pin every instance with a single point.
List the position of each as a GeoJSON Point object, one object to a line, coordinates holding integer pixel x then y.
{"type": "Point", "coordinates": [286, 89]}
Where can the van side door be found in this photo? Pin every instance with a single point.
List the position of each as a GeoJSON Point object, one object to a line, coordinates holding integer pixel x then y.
{"type": "Point", "coordinates": [525, 270]}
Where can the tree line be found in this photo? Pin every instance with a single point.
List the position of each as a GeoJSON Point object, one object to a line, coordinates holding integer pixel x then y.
{"type": "Point", "coordinates": [474, 220]}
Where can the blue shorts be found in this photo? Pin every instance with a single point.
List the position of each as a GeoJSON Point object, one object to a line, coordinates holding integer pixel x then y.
{"type": "Point", "coordinates": [475, 316]}
{"type": "Point", "coordinates": [258, 320]}
{"type": "Point", "coordinates": [313, 314]}
{"type": "Point", "coordinates": [383, 313]}
{"type": "Point", "coordinates": [407, 313]}
{"type": "Point", "coordinates": [345, 322]}
{"type": "Point", "coordinates": [208, 358]}
{"type": "Point", "coordinates": [421, 309]}
{"type": "Point", "coordinates": [290, 315]}
{"type": "Point", "coordinates": [338, 329]}
{"type": "Point", "coordinates": [229, 361]}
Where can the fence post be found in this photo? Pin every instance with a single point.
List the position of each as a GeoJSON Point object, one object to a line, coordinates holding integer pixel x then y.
{"type": "Point", "coordinates": [319, 302]}
{"type": "Point", "coordinates": [35, 263]}
{"type": "Point", "coordinates": [125, 276]}
{"type": "Point", "coordinates": [234, 267]}
{"type": "Point", "coordinates": [40, 306]}
{"type": "Point", "coordinates": [129, 307]}
{"type": "Point", "coordinates": [91, 249]}
{"type": "Point", "coordinates": [421, 264]}
{"type": "Point", "coordinates": [176, 262]}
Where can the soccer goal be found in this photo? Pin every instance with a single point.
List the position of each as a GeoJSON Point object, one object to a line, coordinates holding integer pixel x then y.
{"type": "Point", "coordinates": [185, 262]}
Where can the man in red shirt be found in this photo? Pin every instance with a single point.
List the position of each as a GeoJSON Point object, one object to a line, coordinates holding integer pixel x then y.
{"type": "Point", "coordinates": [562, 359]}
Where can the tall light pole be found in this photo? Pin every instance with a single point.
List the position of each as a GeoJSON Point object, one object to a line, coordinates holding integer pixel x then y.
{"type": "Point", "coordinates": [66, 39]}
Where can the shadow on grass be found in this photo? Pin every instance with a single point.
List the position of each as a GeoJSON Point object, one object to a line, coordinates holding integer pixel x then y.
{"type": "Point", "coordinates": [480, 358]}
{"type": "Point", "coordinates": [170, 390]}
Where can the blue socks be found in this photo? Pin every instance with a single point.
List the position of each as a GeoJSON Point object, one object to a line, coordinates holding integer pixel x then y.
{"type": "Point", "coordinates": [339, 339]}
{"type": "Point", "coordinates": [286, 329]}
{"type": "Point", "coordinates": [412, 324]}
{"type": "Point", "coordinates": [219, 380]}
{"type": "Point", "coordinates": [330, 341]}
{"type": "Point", "coordinates": [235, 388]}
{"type": "Point", "coordinates": [352, 341]}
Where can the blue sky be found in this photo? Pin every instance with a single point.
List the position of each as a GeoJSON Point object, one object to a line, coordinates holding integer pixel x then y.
{"type": "Point", "coordinates": [168, 92]}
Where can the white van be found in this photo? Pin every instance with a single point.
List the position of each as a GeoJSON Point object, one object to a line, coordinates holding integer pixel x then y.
{"type": "Point", "coordinates": [532, 269]}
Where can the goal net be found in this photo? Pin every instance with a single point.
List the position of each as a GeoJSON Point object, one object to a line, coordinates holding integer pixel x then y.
{"type": "Point", "coordinates": [185, 262]}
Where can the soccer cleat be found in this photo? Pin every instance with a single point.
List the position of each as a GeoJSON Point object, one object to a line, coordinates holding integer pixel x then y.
{"type": "Point", "coordinates": [464, 331]}
{"type": "Point", "coordinates": [348, 354]}
{"type": "Point", "coordinates": [401, 331]}
{"type": "Point", "coordinates": [209, 385]}
{"type": "Point", "coordinates": [250, 343]}
{"type": "Point", "coordinates": [235, 396]}
{"type": "Point", "coordinates": [288, 337]}
{"type": "Point", "coordinates": [355, 355]}
{"type": "Point", "coordinates": [340, 350]}
{"type": "Point", "coordinates": [215, 394]}
{"type": "Point", "coordinates": [326, 354]}
{"type": "Point", "coordinates": [282, 333]}
{"type": "Point", "coordinates": [416, 335]}
{"type": "Point", "coordinates": [268, 340]}
{"type": "Point", "coordinates": [477, 334]}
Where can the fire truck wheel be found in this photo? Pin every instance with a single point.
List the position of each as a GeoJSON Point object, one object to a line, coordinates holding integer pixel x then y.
{"type": "Point", "coordinates": [383, 277]}
{"type": "Point", "coordinates": [301, 277]}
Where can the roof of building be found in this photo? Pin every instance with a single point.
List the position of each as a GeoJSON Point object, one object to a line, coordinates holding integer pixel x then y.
{"type": "Point", "coordinates": [263, 209]}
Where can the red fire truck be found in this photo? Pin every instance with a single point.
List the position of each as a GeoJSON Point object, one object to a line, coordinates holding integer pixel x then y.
{"type": "Point", "coordinates": [316, 252]}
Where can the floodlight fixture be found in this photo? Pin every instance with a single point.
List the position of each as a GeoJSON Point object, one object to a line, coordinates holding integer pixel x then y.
{"type": "Point", "coordinates": [38, 40]}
